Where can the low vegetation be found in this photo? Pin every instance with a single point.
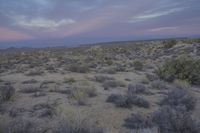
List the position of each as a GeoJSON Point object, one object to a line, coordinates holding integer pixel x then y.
{"type": "Point", "coordinates": [137, 87]}
{"type": "Point", "coordinates": [127, 101]}
{"type": "Point", "coordinates": [6, 92]}
{"type": "Point", "coordinates": [79, 68]}
{"type": "Point", "coordinates": [80, 93]}
{"type": "Point", "coordinates": [183, 68]}
{"type": "Point", "coordinates": [138, 65]}
{"type": "Point", "coordinates": [179, 97]}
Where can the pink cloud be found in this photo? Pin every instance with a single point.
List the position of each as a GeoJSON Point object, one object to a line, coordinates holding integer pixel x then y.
{"type": "Point", "coordinates": [7, 34]}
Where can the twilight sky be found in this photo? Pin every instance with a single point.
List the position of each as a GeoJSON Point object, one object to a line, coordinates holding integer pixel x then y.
{"type": "Point", "coordinates": [87, 21]}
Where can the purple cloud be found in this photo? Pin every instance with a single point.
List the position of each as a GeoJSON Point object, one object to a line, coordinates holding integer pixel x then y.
{"type": "Point", "coordinates": [98, 20]}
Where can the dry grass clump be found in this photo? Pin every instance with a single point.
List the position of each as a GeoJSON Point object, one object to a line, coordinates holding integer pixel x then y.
{"type": "Point", "coordinates": [81, 92]}
{"type": "Point", "coordinates": [102, 78]}
{"type": "Point", "coordinates": [182, 84]}
{"type": "Point", "coordinates": [79, 68]}
{"type": "Point", "coordinates": [69, 80]}
{"type": "Point", "coordinates": [73, 122]}
{"type": "Point", "coordinates": [109, 70]}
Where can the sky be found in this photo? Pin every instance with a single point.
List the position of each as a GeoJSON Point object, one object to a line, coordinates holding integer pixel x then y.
{"type": "Point", "coordinates": [58, 22]}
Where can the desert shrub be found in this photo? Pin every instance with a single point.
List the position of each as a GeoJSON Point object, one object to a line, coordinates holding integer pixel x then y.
{"type": "Point", "coordinates": [113, 84]}
{"type": "Point", "coordinates": [79, 68]}
{"type": "Point", "coordinates": [137, 121]}
{"type": "Point", "coordinates": [178, 120]}
{"type": "Point", "coordinates": [179, 97]}
{"type": "Point", "coordinates": [123, 102]}
{"type": "Point", "coordinates": [119, 100]}
{"type": "Point", "coordinates": [169, 44]}
{"type": "Point", "coordinates": [113, 98]}
{"type": "Point", "coordinates": [127, 101]}
{"type": "Point", "coordinates": [102, 78]}
{"type": "Point", "coordinates": [6, 92]}
{"type": "Point", "coordinates": [165, 120]}
{"type": "Point", "coordinates": [160, 85]}
{"type": "Point", "coordinates": [183, 68]}
{"type": "Point", "coordinates": [138, 65]}
{"type": "Point", "coordinates": [138, 101]}
{"type": "Point", "coordinates": [137, 89]}
{"type": "Point", "coordinates": [82, 92]}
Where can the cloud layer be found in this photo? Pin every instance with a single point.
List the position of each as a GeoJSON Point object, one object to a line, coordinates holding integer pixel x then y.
{"type": "Point", "coordinates": [97, 20]}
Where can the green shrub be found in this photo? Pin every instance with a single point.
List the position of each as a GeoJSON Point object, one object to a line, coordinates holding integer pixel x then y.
{"type": "Point", "coordinates": [183, 68]}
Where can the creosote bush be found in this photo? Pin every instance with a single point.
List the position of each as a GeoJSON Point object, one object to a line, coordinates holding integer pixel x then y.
{"type": "Point", "coordinates": [127, 101]}
{"type": "Point", "coordinates": [179, 97]}
{"type": "Point", "coordinates": [183, 68]}
{"type": "Point", "coordinates": [165, 120]}
{"type": "Point", "coordinates": [138, 121]}
{"type": "Point", "coordinates": [170, 120]}
{"type": "Point", "coordinates": [137, 89]}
